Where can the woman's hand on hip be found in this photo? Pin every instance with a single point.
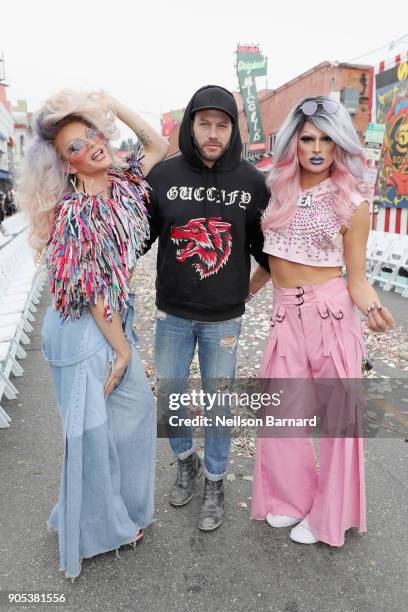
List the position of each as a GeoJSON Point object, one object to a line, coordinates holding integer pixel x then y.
{"type": "Point", "coordinates": [117, 372]}
{"type": "Point", "coordinates": [114, 334]}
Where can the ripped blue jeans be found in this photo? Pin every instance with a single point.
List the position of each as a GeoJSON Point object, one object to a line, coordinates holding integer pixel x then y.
{"type": "Point", "coordinates": [176, 339]}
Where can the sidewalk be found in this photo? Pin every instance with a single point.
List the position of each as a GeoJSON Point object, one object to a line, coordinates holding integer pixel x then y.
{"type": "Point", "coordinates": [244, 565]}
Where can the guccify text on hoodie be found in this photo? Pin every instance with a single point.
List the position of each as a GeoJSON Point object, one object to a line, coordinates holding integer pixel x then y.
{"type": "Point", "coordinates": [211, 194]}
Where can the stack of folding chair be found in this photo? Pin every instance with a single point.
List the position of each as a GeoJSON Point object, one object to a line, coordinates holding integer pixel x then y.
{"type": "Point", "coordinates": [372, 241]}
{"type": "Point", "coordinates": [4, 239]}
{"type": "Point", "coordinates": [21, 283]}
{"type": "Point", "coordinates": [380, 246]}
{"type": "Point", "coordinates": [377, 245]}
{"type": "Point", "coordinates": [387, 257]}
{"type": "Point", "coordinates": [15, 224]}
{"type": "Point", "coordinates": [396, 260]}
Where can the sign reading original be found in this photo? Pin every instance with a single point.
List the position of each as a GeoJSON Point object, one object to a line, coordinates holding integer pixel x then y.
{"type": "Point", "coordinates": [250, 64]}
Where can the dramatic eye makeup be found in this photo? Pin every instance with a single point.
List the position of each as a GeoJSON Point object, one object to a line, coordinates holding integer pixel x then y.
{"type": "Point", "coordinates": [307, 138]}
{"type": "Point", "coordinates": [75, 146]}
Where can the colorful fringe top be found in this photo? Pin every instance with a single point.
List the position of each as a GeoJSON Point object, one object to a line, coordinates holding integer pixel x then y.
{"type": "Point", "coordinates": [94, 243]}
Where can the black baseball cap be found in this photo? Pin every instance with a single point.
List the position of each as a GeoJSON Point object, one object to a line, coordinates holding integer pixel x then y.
{"type": "Point", "coordinates": [215, 97]}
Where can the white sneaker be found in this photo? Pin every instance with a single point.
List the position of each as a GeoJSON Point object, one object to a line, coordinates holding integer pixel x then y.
{"type": "Point", "coordinates": [281, 520]}
{"type": "Point", "coordinates": [303, 534]}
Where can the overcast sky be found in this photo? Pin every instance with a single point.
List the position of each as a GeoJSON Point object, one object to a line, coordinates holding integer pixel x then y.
{"type": "Point", "coordinates": [154, 54]}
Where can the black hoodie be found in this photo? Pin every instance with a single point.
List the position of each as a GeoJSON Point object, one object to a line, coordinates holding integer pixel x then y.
{"type": "Point", "coordinates": [207, 221]}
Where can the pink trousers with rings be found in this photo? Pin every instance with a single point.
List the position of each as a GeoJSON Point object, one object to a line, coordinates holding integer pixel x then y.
{"type": "Point", "coordinates": [315, 334]}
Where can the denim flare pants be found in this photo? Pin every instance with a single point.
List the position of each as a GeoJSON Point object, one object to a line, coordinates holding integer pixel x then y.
{"type": "Point", "coordinates": [107, 478]}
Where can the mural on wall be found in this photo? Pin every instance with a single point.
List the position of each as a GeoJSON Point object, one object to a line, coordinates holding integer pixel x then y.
{"type": "Point", "coordinates": [392, 110]}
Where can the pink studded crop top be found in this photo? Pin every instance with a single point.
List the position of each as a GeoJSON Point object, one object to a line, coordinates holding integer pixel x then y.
{"type": "Point", "coordinates": [313, 237]}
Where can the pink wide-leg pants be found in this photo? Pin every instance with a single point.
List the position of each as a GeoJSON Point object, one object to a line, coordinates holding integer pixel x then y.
{"type": "Point", "coordinates": [315, 334]}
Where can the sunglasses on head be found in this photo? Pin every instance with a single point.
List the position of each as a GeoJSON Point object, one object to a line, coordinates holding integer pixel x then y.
{"type": "Point", "coordinates": [77, 145]}
{"type": "Point", "coordinates": [310, 107]}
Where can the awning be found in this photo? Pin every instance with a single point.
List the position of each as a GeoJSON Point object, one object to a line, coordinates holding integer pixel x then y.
{"type": "Point", "coordinates": [265, 164]}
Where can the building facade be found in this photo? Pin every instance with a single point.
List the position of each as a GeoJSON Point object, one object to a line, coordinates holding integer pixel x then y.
{"type": "Point", "coordinates": [347, 83]}
{"type": "Point", "coordinates": [6, 141]}
{"type": "Point", "coordinates": [22, 131]}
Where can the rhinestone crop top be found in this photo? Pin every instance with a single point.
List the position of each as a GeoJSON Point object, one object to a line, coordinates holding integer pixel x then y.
{"type": "Point", "coordinates": [313, 237]}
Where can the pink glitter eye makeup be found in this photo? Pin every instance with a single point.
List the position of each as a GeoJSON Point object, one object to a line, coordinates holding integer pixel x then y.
{"type": "Point", "coordinates": [75, 147]}
{"type": "Point", "coordinates": [78, 146]}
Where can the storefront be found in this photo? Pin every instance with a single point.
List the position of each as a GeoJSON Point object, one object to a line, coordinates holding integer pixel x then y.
{"type": "Point", "coordinates": [4, 171]}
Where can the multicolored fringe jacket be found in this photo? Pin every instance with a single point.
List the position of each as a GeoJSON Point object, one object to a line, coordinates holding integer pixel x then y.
{"type": "Point", "coordinates": [95, 242]}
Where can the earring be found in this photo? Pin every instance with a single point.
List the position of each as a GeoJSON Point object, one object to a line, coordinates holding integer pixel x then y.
{"type": "Point", "coordinates": [73, 181]}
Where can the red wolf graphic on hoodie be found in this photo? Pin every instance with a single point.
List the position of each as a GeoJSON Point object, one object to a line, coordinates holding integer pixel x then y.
{"type": "Point", "coordinates": [214, 214]}
{"type": "Point", "coordinates": [209, 240]}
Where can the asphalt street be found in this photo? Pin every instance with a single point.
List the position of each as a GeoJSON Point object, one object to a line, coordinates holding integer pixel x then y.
{"type": "Point", "coordinates": [244, 565]}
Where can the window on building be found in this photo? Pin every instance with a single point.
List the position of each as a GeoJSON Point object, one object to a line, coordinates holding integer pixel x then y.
{"type": "Point", "coordinates": [245, 150]}
{"type": "Point", "coordinates": [271, 142]}
{"type": "Point", "coordinates": [22, 145]}
{"type": "Point", "coordinates": [350, 98]}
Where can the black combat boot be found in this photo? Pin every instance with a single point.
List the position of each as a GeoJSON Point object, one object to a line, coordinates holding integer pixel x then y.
{"type": "Point", "coordinates": [189, 471]}
{"type": "Point", "coordinates": [212, 510]}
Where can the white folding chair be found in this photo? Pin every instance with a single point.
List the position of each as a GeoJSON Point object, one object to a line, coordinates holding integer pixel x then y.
{"type": "Point", "coordinates": [21, 284]}
{"type": "Point", "coordinates": [380, 250]}
{"type": "Point", "coordinates": [396, 258]}
{"type": "Point", "coordinates": [16, 223]}
{"type": "Point", "coordinates": [8, 364]}
{"type": "Point", "coordinates": [370, 251]}
{"type": "Point", "coordinates": [15, 318]}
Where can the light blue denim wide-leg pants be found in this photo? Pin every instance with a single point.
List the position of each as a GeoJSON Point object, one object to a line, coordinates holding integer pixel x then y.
{"type": "Point", "coordinates": [107, 479]}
